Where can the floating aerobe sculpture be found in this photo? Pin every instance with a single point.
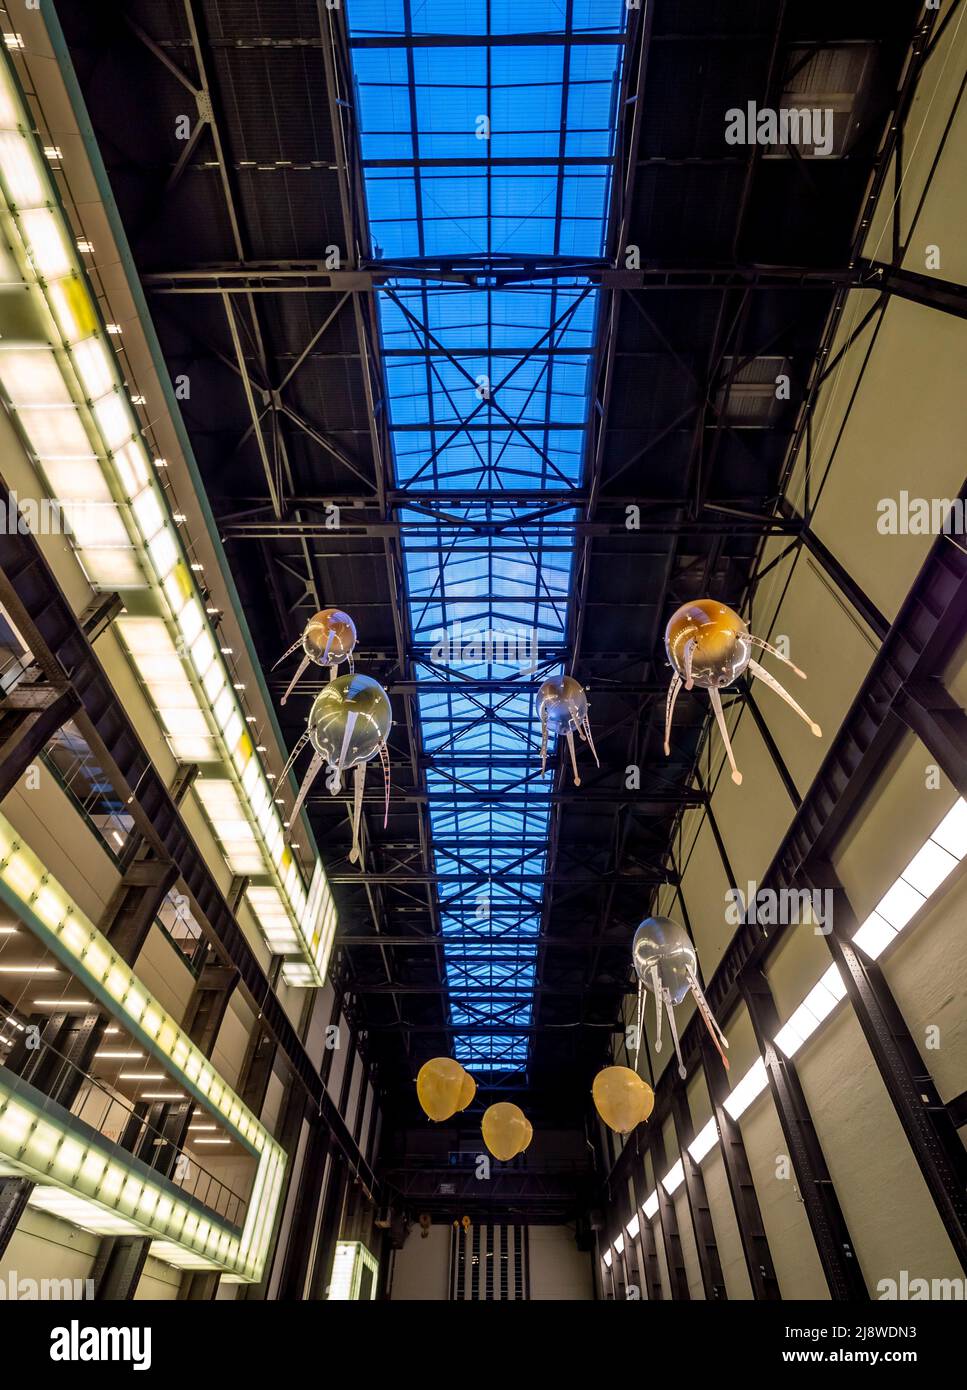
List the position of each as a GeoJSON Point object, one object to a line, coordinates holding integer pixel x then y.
{"type": "Point", "coordinates": [563, 709]}
{"type": "Point", "coordinates": [328, 639]}
{"type": "Point", "coordinates": [348, 726]}
{"type": "Point", "coordinates": [710, 646]}
{"type": "Point", "coordinates": [665, 962]}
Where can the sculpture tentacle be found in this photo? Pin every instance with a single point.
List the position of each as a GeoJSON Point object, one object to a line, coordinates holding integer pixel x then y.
{"type": "Point", "coordinates": [574, 758]}
{"type": "Point", "coordinates": [299, 671]}
{"type": "Point", "coordinates": [307, 781]}
{"type": "Point", "coordinates": [384, 759]}
{"type": "Point", "coordinates": [774, 651]}
{"type": "Point", "coordinates": [670, 699]}
{"type": "Point", "coordinates": [288, 651]}
{"type": "Point", "coordinates": [783, 694]}
{"type": "Point", "coordinates": [674, 1031]}
{"type": "Point", "coordinates": [716, 699]}
{"type": "Point", "coordinates": [300, 743]}
{"type": "Point", "coordinates": [359, 782]}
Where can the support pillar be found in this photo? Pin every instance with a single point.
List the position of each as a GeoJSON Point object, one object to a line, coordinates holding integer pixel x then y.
{"type": "Point", "coordinates": [834, 1244]}
{"type": "Point", "coordinates": [755, 1245]}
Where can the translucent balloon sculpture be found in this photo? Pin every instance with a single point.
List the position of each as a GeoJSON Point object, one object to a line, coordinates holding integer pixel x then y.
{"type": "Point", "coordinates": [443, 1087]}
{"type": "Point", "coordinates": [665, 962]}
{"type": "Point", "coordinates": [349, 724]}
{"type": "Point", "coordinates": [563, 709]}
{"type": "Point", "coordinates": [328, 639]}
{"type": "Point", "coordinates": [710, 646]}
{"type": "Point", "coordinates": [506, 1130]}
{"type": "Point", "coordinates": [621, 1098]}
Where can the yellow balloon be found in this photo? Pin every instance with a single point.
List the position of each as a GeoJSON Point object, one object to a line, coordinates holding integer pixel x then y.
{"type": "Point", "coordinates": [506, 1130]}
{"type": "Point", "coordinates": [468, 1089]}
{"type": "Point", "coordinates": [622, 1099]}
{"type": "Point", "coordinates": [439, 1086]}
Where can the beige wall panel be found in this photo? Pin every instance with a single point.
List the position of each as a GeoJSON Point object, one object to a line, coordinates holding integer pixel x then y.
{"type": "Point", "coordinates": [830, 644]}
{"type": "Point", "coordinates": [43, 1247]}
{"type": "Point", "coordinates": [905, 432]}
{"type": "Point", "coordinates": [727, 1239]}
{"type": "Point", "coordinates": [704, 886]}
{"type": "Point", "coordinates": [752, 818]}
{"type": "Point", "coordinates": [794, 1254]}
{"type": "Point", "coordinates": [693, 1270]}
{"type": "Point", "coordinates": [421, 1268]}
{"type": "Point", "coordinates": [892, 824]}
{"type": "Point", "coordinates": [699, 1104]}
{"type": "Point", "coordinates": [927, 971]}
{"type": "Point", "coordinates": [889, 1212]}
{"type": "Point", "coordinates": [162, 968]}
{"type": "Point", "coordinates": [231, 1044]}
{"type": "Point", "coordinates": [558, 1269]}
{"type": "Point", "coordinates": [831, 405]}
{"type": "Point", "coordinates": [801, 958]}
{"type": "Point", "coordinates": [158, 1282]}
{"type": "Point", "coordinates": [54, 829]}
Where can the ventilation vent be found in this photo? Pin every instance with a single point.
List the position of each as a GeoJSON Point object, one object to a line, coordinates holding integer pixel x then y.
{"type": "Point", "coordinates": [824, 97]}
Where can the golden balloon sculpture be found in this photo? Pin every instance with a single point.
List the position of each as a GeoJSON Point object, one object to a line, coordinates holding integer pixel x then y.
{"type": "Point", "coordinates": [563, 709]}
{"type": "Point", "coordinates": [443, 1088]}
{"type": "Point", "coordinates": [621, 1098]}
{"type": "Point", "coordinates": [328, 639]}
{"type": "Point", "coordinates": [710, 646]}
{"type": "Point", "coordinates": [665, 963]}
{"type": "Point", "coordinates": [506, 1130]}
{"type": "Point", "coordinates": [348, 726]}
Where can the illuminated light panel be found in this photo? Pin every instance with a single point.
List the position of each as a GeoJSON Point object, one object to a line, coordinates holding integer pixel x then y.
{"type": "Point", "coordinates": [633, 1227]}
{"type": "Point", "coordinates": [43, 905]}
{"type": "Point", "coordinates": [674, 1178]}
{"type": "Point", "coordinates": [745, 1091]}
{"type": "Point", "coordinates": [72, 406]}
{"type": "Point", "coordinates": [651, 1205]}
{"type": "Point", "coordinates": [608, 1258]}
{"type": "Point", "coordinates": [704, 1141]}
{"type": "Point", "coordinates": [350, 1260]}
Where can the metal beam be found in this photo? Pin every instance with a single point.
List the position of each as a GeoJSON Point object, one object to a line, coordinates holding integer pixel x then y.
{"type": "Point", "coordinates": [834, 1244]}
{"type": "Point", "coordinates": [927, 1123]}
{"type": "Point", "coordinates": [713, 1280]}
{"type": "Point", "coordinates": [745, 1202]}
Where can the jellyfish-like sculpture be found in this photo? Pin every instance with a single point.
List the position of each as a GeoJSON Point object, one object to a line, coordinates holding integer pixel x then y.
{"type": "Point", "coordinates": [563, 709]}
{"type": "Point", "coordinates": [328, 639]}
{"type": "Point", "coordinates": [665, 962]}
{"type": "Point", "coordinates": [348, 726]}
{"type": "Point", "coordinates": [710, 646]}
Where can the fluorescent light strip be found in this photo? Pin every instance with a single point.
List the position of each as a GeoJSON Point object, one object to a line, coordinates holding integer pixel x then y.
{"type": "Point", "coordinates": [651, 1206]}
{"type": "Point", "coordinates": [66, 398]}
{"type": "Point", "coordinates": [41, 902]}
{"type": "Point", "coordinates": [674, 1178]}
{"type": "Point", "coordinates": [608, 1258]}
{"type": "Point", "coordinates": [930, 867]}
{"type": "Point", "coordinates": [619, 1243]}
{"type": "Point", "coordinates": [633, 1227]}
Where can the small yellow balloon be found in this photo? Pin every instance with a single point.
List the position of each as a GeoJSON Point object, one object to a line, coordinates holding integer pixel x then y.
{"type": "Point", "coordinates": [468, 1090]}
{"type": "Point", "coordinates": [506, 1130]}
{"type": "Point", "coordinates": [622, 1099]}
{"type": "Point", "coordinates": [439, 1086]}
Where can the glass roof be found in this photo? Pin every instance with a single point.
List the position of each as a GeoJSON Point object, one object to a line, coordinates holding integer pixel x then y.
{"type": "Point", "coordinates": [487, 135]}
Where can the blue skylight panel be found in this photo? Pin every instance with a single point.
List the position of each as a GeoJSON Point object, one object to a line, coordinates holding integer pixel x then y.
{"type": "Point", "coordinates": [476, 147]}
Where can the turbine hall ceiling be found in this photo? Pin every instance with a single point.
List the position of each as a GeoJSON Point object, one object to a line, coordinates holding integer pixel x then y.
{"type": "Point", "coordinates": [539, 385]}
